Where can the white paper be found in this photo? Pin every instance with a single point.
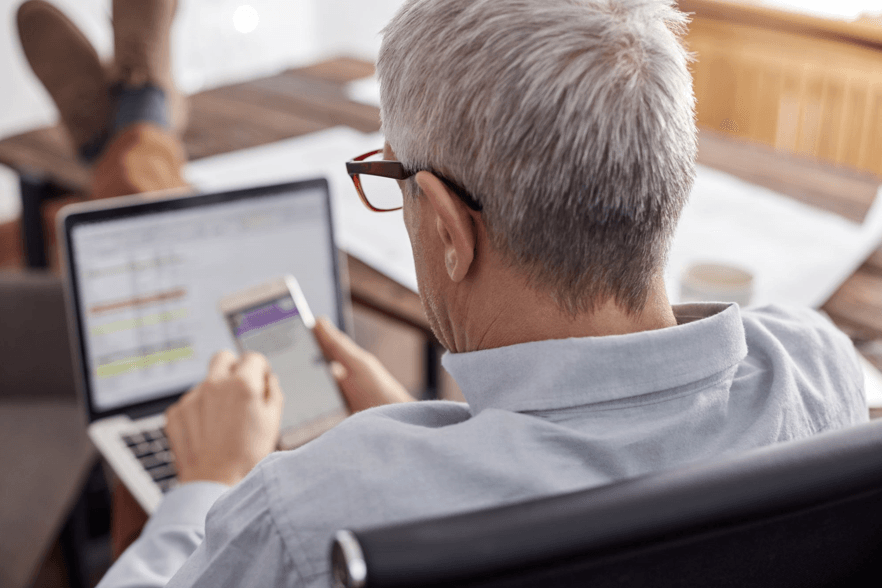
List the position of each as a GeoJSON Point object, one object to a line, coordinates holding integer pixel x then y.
{"type": "Point", "coordinates": [798, 254]}
{"type": "Point", "coordinates": [377, 238]}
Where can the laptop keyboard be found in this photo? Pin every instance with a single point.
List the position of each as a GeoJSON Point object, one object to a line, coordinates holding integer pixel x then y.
{"type": "Point", "coordinates": [151, 449]}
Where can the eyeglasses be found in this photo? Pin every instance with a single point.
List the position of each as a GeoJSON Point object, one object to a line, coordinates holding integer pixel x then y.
{"type": "Point", "coordinates": [367, 172]}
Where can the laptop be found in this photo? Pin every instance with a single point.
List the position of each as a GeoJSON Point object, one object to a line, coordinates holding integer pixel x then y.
{"type": "Point", "coordinates": [143, 277]}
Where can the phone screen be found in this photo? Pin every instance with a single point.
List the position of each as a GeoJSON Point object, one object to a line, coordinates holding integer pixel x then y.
{"type": "Point", "coordinates": [312, 400]}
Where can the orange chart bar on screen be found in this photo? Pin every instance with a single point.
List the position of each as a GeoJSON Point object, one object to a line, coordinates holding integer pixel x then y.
{"type": "Point", "coordinates": [139, 301]}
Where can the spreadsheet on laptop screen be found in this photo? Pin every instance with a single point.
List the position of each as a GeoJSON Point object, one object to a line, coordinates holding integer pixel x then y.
{"type": "Point", "coordinates": [148, 286]}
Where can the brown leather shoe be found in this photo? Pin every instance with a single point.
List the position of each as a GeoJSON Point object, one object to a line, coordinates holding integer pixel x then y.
{"type": "Point", "coordinates": [142, 50]}
{"type": "Point", "coordinates": [69, 67]}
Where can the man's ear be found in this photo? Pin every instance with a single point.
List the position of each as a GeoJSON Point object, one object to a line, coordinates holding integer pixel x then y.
{"type": "Point", "coordinates": [454, 223]}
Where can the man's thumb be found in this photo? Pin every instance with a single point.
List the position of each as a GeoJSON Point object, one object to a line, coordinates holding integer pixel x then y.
{"type": "Point", "coordinates": [339, 372]}
{"type": "Point", "coordinates": [336, 345]}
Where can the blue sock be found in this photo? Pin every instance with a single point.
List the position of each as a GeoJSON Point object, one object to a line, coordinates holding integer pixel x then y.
{"type": "Point", "coordinates": [143, 104]}
{"type": "Point", "coordinates": [133, 105]}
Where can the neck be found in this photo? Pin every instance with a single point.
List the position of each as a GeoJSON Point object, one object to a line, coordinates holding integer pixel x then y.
{"type": "Point", "coordinates": [509, 313]}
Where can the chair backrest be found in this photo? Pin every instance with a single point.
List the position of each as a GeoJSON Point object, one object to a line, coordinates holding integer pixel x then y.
{"type": "Point", "coordinates": [35, 357]}
{"type": "Point", "coordinates": [802, 513]}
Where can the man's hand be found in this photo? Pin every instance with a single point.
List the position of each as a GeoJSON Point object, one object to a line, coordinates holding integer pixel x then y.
{"type": "Point", "coordinates": [361, 377]}
{"type": "Point", "coordinates": [224, 426]}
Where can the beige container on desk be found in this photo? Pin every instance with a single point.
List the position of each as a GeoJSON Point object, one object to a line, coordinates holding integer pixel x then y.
{"type": "Point", "coordinates": [716, 282]}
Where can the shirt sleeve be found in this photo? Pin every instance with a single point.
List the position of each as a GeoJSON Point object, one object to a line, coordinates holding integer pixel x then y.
{"type": "Point", "coordinates": [242, 546]}
{"type": "Point", "coordinates": [171, 535]}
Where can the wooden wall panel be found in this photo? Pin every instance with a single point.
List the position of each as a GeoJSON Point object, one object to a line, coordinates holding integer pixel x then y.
{"type": "Point", "coordinates": [793, 91]}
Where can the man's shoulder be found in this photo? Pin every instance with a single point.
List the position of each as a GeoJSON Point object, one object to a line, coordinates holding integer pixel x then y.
{"type": "Point", "coordinates": [784, 318]}
{"type": "Point", "coordinates": [427, 413]}
{"type": "Point", "coordinates": [807, 343]}
{"type": "Point", "coordinates": [365, 436]}
{"type": "Point", "coordinates": [369, 469]}
{"type": "Point", "coordinates": [803, 332]}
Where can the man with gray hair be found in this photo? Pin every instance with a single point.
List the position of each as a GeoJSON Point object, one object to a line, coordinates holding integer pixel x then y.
{"type": "Point", "coordinates": [544, 150]}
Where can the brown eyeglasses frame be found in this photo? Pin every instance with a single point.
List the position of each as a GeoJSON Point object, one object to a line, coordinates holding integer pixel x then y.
{"type": "Point", "coordinates": [395, 170]}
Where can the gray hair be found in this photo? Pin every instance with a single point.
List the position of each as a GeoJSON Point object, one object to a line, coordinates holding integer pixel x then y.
{"type": "Point", "coordinates": [571, 121]}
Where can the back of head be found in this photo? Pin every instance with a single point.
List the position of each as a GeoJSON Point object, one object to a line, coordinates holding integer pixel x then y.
{"type": "Point", "coordinates": [571, 121]}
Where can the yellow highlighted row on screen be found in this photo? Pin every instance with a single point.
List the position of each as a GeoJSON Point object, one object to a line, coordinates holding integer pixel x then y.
{"type": "Point", "coordinates": [144, 321]}
{"type": "Point", "coordinates": [140, 362]}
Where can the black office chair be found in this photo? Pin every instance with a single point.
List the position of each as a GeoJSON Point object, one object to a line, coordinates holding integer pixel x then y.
{"type": "Point", "coordinates": [803, 513]}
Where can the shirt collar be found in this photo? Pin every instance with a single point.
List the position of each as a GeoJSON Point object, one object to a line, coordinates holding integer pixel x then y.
{"type": "Point", "coordinates": [560, 373]}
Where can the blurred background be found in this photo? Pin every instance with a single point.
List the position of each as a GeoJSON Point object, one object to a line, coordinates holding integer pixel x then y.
{"type": "Point", "coordinates": [817, 110]}
{"type": "Point", "coordinates": [808, 94]}
{"type": "Point", "coordinates": [216, 42]}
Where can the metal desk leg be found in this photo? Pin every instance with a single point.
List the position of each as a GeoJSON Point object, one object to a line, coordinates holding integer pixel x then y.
{"type": "Point", "coordinates": [35, 190]}
{"type": "Point", "coordinates": [33, 193]}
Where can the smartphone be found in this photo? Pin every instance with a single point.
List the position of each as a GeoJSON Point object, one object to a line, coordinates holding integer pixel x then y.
{"type": "Point", "coordinates": [274, 320]}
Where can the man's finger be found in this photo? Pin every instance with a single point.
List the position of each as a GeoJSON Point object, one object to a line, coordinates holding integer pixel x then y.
{"type": "Point", "coordinates": [171, 413]}
{"type": "Point", "coordinates": [253, 369]}
{"type": "Point", "coordinates": [177, 433]}
{"type": "Point", "coordinates": [221, 364]}
{"type": "Point", "coordinates": [336, 345]}
{"type": "Point", "coordinates": [274, 395]}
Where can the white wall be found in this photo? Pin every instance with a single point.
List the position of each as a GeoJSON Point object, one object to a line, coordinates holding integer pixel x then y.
{"type": "Point", "coordinates": [208, 50]}
{"type": "Point", "coordinates": [352, 26]}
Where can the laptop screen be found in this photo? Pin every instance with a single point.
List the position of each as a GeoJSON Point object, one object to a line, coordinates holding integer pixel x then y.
{"type": "Point", "coordinates": [147, 281]}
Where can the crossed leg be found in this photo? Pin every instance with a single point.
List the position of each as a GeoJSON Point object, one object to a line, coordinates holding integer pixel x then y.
{"type": "Point", "coordinates": [125, 118]}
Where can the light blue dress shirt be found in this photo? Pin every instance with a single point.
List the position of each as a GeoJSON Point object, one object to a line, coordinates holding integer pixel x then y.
{"type": "Point", "coordinates": [542, 418]}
